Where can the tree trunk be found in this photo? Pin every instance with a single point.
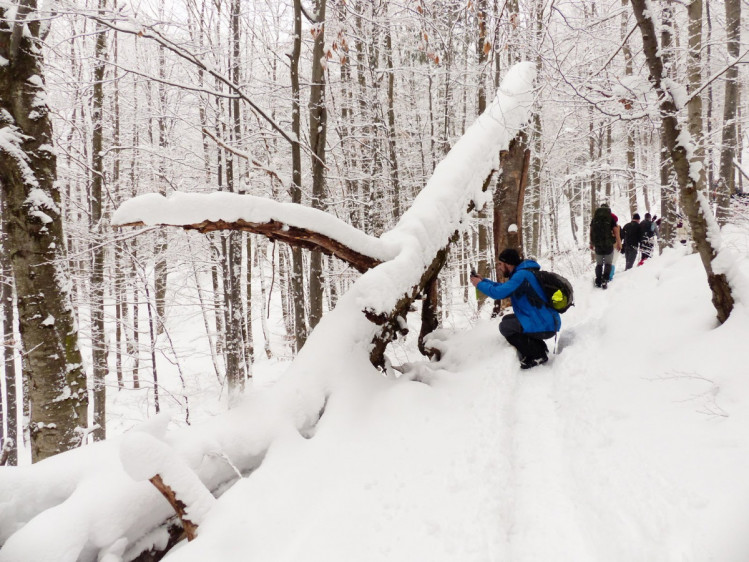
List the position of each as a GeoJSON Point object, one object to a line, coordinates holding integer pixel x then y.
{"type": "Point", "coordinates": [694, 202]}
{"type": "Point", "coordinates": [10, 441]}
{"type": "Point", "coordinates": [28, 171]}
{"type": "Point", "coordinates": [318, 127]}
{"type": "Point", "coordinates": [485, 259]}
{"type": "Point", "coordinates": [509, 196]}
{"type": "Point", "coordinates": [669, 190]}
{"type": "Point", "coordinates": [297, 273]}
{"type": "Point", "coordinates": [160, 266]}
{"type": "Point", "coordinates": [98, 250]}
{"type": "Point", "coordinates": [392, 146]}
{"type": "Point", "coordinates": [726, 183]}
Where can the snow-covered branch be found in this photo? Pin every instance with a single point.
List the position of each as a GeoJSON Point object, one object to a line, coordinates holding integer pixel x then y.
{"type": "Point", "coordinates": [295, 224]}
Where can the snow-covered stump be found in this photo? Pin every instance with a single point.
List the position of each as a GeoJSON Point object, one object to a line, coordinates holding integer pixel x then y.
{"type": "Point", "coordinates": [145, 457]}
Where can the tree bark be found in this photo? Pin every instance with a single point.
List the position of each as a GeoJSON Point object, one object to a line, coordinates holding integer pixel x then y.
{"type": "Point", "coordinates": [297, 273]}
{"type": "Point", "coordinates": [98, 250]}
{"type": "Point", "coordinates": [10, 442]}
{"type": "Point", "coordinates": [509, 196]}
{"type": "Point", "coordinates": [669, 190]}
{"type": "Point", "coordinates": [28, 171]}
{"type": "Point", "coordinates": [318, 127]}
{"type": "Point", "coordinates": [485, 259]}
{"type": "Point", "coordinates": [694, 202]}
{"type": "Point", "coordinates": [726, 183]}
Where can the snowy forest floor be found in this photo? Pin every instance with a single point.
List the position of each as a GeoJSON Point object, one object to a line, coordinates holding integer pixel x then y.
{"type": "Point", "coordinates": [631, 444]}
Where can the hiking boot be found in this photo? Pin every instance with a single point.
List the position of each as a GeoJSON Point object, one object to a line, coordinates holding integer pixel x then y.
{"type": "Point", "coordinates": [530, 363]}
{"type": "Point", "coordinates": [598, 282]}
{"type": "Point", "coordinates": [604, 284]}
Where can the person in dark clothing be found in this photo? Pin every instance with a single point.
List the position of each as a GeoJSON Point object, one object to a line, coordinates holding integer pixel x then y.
{"type": "Point", "coordinates": [631, 236]}
{"type": "Point", "coordinates": [533, 321]}
{"type": "Point", "coordinates": [604, 238]}
{"type": "Point", "coordinates": [646, 238]}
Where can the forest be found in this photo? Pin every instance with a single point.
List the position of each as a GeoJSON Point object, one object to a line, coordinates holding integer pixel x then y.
{"type": "Point", "coordinates": [198, 197]}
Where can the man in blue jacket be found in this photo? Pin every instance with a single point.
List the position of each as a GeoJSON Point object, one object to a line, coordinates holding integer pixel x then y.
{"type": "Point", "coordinates": [533, 320]}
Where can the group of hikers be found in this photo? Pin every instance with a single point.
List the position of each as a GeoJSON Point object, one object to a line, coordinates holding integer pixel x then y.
{"type": "Point", "coordinates": [538, 298]}
{"type": "Point", "coordinates": [606, 236]}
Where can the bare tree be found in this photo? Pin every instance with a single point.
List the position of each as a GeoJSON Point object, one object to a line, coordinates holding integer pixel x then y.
{"type": "Point", "coordinates": [726, 183]}
{"type": "Point", "coordinates": [690, 187]}
{"type": "Point", "coordinates": [52, 361]}
{"type": "Point", "coordinates": [98, 250]}
{"type": "Point", "coordinates": [318, 131]}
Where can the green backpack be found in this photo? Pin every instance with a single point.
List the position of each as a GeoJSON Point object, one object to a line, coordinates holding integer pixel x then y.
{"type": "Point", "coordinates": [601, 234]}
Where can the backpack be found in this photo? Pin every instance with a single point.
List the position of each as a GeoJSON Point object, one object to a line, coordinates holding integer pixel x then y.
{"type": "Point", "coordinates": [601, 235]}
{"type": "Point", "coordinates": [558, 290]}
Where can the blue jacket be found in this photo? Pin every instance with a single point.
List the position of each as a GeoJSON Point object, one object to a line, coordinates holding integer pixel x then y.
{"type": "Point", "coordinates": [527, 297]}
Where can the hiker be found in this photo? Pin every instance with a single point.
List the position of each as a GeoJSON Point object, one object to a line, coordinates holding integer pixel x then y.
{"type": "Point", "coordinates": [533, 320]}
{"type": "Point", "coordinates": [682, 235]}
{"type": "Point", "coordinates": [617, 251]}
{"type": "Point", "coordinates": [646, 238]}
{"type": "Point", "coordinates": [604, 237]}
{"type": "Point", "coordinates": [656, 226]}
{"type": "Point", "coordinates": [631, 236]}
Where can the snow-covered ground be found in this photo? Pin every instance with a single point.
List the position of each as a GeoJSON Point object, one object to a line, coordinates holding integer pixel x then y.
{"type": "Point", "coordinates": [631, 444]}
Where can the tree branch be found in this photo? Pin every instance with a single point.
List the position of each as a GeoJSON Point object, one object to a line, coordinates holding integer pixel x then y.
{"type": "Point", "coordinates": [294, 224]}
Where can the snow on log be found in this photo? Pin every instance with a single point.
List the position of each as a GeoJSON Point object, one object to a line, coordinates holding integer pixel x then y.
{"type": "Point", "coordinates": [145, 457]}
{"type": "Point", "coordinates": [295, 224]}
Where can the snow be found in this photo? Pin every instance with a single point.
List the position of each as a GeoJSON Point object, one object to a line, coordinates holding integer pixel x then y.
{"type": "Point", "coordinates": [632, 443]}
{"type": "Point", "coordinates": [11, 140]}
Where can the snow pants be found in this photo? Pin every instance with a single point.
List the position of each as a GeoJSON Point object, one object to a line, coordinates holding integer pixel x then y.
{"type": "Point", "coordinates": [603, 266]}
{"type": "Point", "coordinates": [530, 345]}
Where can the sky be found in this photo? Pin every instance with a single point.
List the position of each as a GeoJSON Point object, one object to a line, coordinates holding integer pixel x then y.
{"type": "Point", "coordinates": [631, 443]}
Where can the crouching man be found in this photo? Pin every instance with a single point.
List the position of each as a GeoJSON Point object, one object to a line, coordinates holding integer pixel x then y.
{"type": "Point", "coordinates": [533, 320]}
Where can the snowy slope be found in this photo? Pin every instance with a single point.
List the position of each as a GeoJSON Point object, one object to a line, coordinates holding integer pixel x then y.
{"type": "Point", "coordinates": [631, 444]}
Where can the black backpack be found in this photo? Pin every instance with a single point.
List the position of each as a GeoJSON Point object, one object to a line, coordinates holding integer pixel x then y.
{"type": "Point", "coordinates": [601, 235]}
{"type": "Point", "coordinates": [558, 290]}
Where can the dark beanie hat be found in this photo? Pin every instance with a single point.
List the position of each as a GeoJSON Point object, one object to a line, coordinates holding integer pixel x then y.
{"type": "Point", "coordinates": [510, 256]}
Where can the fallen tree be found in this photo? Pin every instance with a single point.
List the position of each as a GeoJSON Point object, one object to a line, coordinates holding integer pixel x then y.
{"type": "Point", "coordinates": [401, 265]}
{"type": "Point", "coordinates": [86, 505]}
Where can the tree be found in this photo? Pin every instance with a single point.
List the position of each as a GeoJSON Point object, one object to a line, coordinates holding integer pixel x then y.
{"type": "Point", "coordinates": [52, 361]}
{"type": "Point", "coordinates": [297, 275]}
{"type": "Point", "coordinates": [318, 131]}
{"type": "Point", "coordinates": [10, 415]}
{"type": "Point", "coordinates": [690, 186]}
{"type": "Point", "coordinates": [98, 250]}
{"type": "Point", "coordinates": [726, 183]}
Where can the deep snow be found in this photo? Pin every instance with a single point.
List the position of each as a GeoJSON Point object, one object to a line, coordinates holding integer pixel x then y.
{"type": "Point", "coordinates": [631, 444]}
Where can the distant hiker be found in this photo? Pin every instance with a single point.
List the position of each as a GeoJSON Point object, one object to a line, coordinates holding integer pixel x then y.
{"type": "Point", "coordinates": [617, 252]}
{"type": "Point", "coordinates": [656, 227]}
{"type": "Point", "coordinates": [647, 238]}
{"type": "Point", "coordinates": [533, 320]}
{"type": "Point", "coordinates": [604, 237]}
{"type": "Point", "coordinates": [681, 233]}
{"type": "Point", "coordinates": [631, 236]}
